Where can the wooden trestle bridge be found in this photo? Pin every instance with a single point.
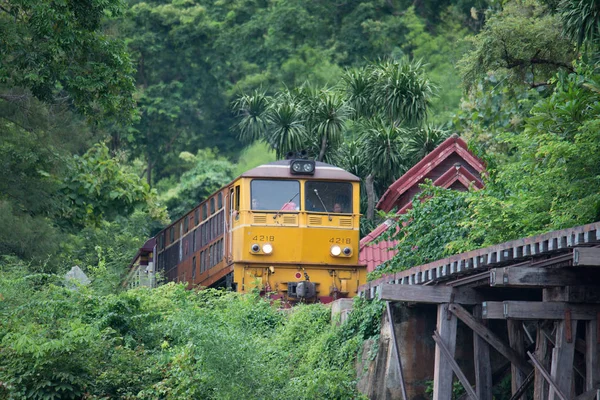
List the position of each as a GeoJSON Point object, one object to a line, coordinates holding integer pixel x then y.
{"type": "Point", "coordinates": [536, 301]}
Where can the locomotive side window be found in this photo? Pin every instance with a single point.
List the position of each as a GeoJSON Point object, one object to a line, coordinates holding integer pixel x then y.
{"type": "Point", "coordinates": [332, 197]}
{"type": "Point", "coordinates": [237, 198]}
{"type": "Point", "coordinates": [275, 195]}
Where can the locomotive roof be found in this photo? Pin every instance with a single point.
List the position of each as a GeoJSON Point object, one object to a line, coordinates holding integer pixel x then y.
{"type": "Point", "coordinates": [281, 169]}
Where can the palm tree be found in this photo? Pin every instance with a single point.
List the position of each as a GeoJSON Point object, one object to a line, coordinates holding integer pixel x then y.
{"type": "Point", "coordinates": [402, 91]}
{"type": "Point", "coordinates": [252, 110]}
{"type": "Point", "coordinates": [385, 154]}
{"type": "Point", "coordinates": [285, 131]}
{"type": "Point", "coordinates": [329, 121]}
{"type": "Point", "coordinates": [358, 86]}
{"type": "Point", "coordinates": [581, 20]}
{"type": "Point", "coordinates": [423, 141]}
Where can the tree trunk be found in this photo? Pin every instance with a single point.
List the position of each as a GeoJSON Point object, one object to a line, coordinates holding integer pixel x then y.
{"type": "Point", "coordinates": [370, 197]}
{"type": "Point", "coordinates": [323, 148]}
{"type": "Point", "coordinates": [149, 171]}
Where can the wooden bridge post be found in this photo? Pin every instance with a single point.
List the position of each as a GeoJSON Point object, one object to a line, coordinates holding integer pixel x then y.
{"type": "Point", "coordinates": [540, 391]}
{"type": "Point", "coordinates": [443, 374]}
{"type": "Point", "coordinates": [516, 341]}
{"type": "Point", "coordinates": [483, 366]}
{"type": "Point", "coordinates": [592, 363]}
{"type": "Point", "coordinates": [562, 357]}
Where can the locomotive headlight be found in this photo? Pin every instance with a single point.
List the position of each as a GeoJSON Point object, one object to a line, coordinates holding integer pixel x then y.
{"type": "Point", "coordinates": [302, 167]}
{"type": "Point", "coordinates": [255, 248]}
{"type": "Point", "coordinates": [267, 248]}
{"type": "Point", "coordinates": [336, 250]}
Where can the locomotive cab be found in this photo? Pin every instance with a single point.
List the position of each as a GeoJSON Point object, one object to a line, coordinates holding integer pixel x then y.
{"type": "Point", "coordinates": [295, 231]}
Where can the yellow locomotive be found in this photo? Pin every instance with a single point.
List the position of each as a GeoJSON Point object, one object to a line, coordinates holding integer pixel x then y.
{"type": "Point", "coordinates": [289, 229]}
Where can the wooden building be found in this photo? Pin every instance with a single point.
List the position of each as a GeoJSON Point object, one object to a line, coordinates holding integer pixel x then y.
{"type": "Point", "coordinates": [451, 165]}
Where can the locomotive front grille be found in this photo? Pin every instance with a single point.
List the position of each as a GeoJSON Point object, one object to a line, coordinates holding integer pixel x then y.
{"type": "Point", "coordinates": [260, 219]}
{"type": "Point", "coordinates": [290, 220]}
{"type": "Point", "coordinates": [315, 220]}
{"type": "Point", "coordinates": [347, 222]}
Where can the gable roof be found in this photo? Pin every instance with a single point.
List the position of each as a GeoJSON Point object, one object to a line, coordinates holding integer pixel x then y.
{"type": "Point", "coordinates": [450, 165]}
{"type": "Point", "coordinates": [422, 170]}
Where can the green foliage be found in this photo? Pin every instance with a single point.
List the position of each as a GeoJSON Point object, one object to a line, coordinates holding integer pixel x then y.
{"type": "Point", "coordinates": [522, 43]}
{"type": "Point", "coordinates": [58, 48]}
{"type": "Point", "coordinates": [581, 19]}
{"type": "Point", "coordinates": [170, 343]}
{"type": "Point", "coordinates": [425, 233]}
{"type": "Point", "coordinates": [208, 173]}
{"type": "Point", "coordinates": [550, 180]}
{"type": "Point", "coordinates": [252, 156]}
{"type": "Point", "coordinates": [99, 187]}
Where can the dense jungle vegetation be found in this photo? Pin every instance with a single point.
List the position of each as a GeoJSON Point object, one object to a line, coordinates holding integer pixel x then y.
{"type": "Point", "coordinates": [117, 116]}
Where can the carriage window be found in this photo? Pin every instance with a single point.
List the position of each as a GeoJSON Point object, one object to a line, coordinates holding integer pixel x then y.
{"type": "Point", "coordinates": [185, 224]}
{"type": "Point", "coordinates": [196, 216]}
{"type": "Point", "coordinates": [204, 211]}
{"type": "Point", "coordinates": [219, 201]}
{"type": "Point", "coordinates": [275, 195]}
{"type": "Point", "coordinates": [333, 197]}
{"type": "Point", "coordinates": [172, 235]}
{"type": "Point", "coordinates": [212, 206]}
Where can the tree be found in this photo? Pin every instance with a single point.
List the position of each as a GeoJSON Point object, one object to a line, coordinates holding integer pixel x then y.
{"type": "Point", "coordinates": [522, 43]}
{"type": "Point", "coordinates": [98, 187]}
{"type": "Point", "coordinates": [57, 51]}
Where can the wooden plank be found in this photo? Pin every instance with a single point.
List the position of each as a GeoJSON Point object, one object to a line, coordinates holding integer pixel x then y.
{"type": "Point", "coordinates": [442, 376]}
{"type": "Point", "coordinates": [562, 360]}
{"type": "Point", "coordinates": [586, 256]}
{"type": "Point", "coordinates": [428, 294]}
{"type": "Point", "coordinates": [483, 365]}
{"type": "Point", "coordinates": [542, 277]}
{"type": "Point", "coordinates": [396, 350]}
{"type": "Point", "coordinates": [546, 376]}
{"type": "Point", "coordinates": [530, 310]}
{"type": "Point", "coordinates": [573, 294]}
{"type": "Point", "coordinates": [592, 364]}
{"type": "Point", "coordinates": [540, 387]}
{"type": "Point", "coordinates": [450, 359]}
{"type": "Point", "coordinates": [490, 337]}
{"type": "Point", "coordinates": [516, 341]}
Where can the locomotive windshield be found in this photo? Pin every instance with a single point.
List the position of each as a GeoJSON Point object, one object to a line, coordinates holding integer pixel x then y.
{"type": "Point", "coordinates": [333, 197]}
{"type": "Point", "coordinates": [275, 195]}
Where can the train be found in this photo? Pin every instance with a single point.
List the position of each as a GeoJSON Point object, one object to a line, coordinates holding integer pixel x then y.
{"type": "Point", "coordinates": [287, 229]}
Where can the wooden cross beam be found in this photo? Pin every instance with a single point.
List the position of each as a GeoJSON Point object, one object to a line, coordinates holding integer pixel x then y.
{"type": "Point", "coordinates": [546, 376]}
{"type": "Point", "coordinates": [490, 337]}
{"type": "Point", "coordinates": [589, 256]}
{"type": "Point", "coordinates": [528, 310]}
{"type": "Point", "coordinates": [428, 294]}
{"type": "Point", "coordinates": [537, 277]}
